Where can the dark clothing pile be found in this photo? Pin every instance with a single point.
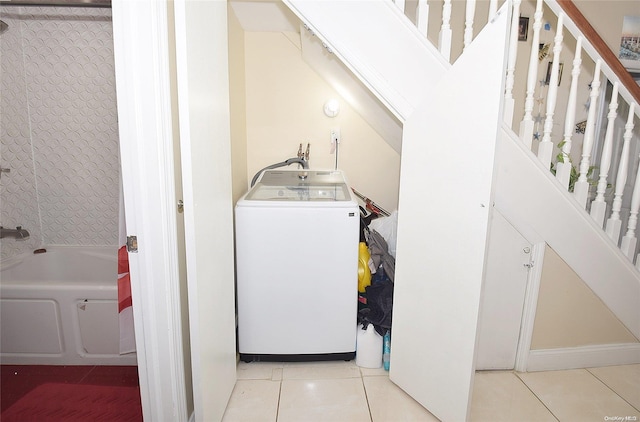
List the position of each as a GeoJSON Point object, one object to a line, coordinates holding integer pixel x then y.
{"type": "Point", "coordinates": [377, 301]}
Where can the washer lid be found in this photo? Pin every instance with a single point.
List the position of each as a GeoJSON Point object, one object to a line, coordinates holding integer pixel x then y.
{"type": "Point", "coordinates": [300, 185]}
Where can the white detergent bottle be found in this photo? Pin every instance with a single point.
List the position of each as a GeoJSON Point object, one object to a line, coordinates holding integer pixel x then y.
{"type": "Point", "coordinates": [368, 347]}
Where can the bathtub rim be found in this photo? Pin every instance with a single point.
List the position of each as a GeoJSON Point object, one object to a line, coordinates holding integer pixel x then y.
{"type": "Point", "coordinates": [107, 252]}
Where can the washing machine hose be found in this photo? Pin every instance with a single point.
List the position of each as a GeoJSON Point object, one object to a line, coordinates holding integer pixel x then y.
{"type": "Point", "coordinates": [295, 160]}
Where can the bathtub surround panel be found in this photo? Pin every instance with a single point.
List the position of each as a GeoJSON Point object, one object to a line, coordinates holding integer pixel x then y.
{"type": "Point", "coordinates": [18, 196]}
{"type": "Point", "coordinates": [98, 313]}
{"type": "Point", "coordinates": [59, 127]}
{"type": "Point", "coordinates": [40, 318]}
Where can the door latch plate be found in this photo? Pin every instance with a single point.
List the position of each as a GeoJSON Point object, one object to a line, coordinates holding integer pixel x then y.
{"type": "Point", "coordinates": [132, 243]}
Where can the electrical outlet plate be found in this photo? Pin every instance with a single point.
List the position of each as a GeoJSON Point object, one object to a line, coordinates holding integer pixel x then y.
{"type": "Point", "coordinates": [335, 136]}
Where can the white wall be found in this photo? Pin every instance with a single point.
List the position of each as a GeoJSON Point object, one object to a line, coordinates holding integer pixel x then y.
{"type": "Point", "coordinates": [607, 21]}
{"type": "Point", "coordinates": [58, 130]}
{"type": "Point", "coordinates": [237, 102]}
{"type": "Point", "coordinates": [284, 107]}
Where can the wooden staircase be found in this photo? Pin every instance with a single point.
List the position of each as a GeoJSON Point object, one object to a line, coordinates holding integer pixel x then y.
{"type": "Point", "coordinates": [591, 219]}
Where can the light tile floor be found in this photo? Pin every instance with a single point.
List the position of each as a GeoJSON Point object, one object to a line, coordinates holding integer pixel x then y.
{"type": "Point", "coordinates": [343, 392]}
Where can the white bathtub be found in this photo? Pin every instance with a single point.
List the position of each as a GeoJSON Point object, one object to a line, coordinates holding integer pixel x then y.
{"type": "Point", "coordinates": [61, 308]}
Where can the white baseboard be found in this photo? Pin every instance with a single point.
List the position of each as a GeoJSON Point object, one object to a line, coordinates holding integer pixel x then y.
{"type": "Point", "coordinates": [583, 357]}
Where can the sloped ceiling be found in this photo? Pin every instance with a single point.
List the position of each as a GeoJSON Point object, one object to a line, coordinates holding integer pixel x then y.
{"type": "Point", "coordinates": [265, 16]}
{"type": "Point", "coordinates": [336, 74]}
{"type": "Point", "coordinates": [274, 16]}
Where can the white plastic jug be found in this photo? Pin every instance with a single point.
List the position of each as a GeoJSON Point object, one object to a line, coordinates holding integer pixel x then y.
{"type": "Point", "coordinates": [368, 347]}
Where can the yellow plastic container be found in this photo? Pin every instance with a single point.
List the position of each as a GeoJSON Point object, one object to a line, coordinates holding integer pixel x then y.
{"type": "Point", "coordinates": [364, 273]}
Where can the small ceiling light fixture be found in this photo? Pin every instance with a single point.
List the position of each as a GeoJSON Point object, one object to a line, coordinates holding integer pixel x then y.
{"type": "Point", "coordinates": [332, 108]}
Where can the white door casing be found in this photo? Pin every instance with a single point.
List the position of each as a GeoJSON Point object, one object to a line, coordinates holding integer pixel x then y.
{"type": "Point", "coordinates": [147, 162]}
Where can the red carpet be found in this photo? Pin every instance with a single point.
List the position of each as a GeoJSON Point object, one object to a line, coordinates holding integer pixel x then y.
{"type": "Point", "coordinates": [76, 402]}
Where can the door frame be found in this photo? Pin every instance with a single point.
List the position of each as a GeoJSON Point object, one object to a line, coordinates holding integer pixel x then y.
{"type": "Point", "coordinates": [140, 34]}
{"type": "Point", "coordinates": [530, 306]}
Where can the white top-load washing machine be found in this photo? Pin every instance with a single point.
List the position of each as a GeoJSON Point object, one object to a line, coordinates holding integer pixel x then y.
{"type": "Point", "coordinates": [297, 234]}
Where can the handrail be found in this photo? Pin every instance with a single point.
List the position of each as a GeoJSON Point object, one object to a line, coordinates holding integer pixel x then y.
{"type": "Point", "coordinates": [601, 47]}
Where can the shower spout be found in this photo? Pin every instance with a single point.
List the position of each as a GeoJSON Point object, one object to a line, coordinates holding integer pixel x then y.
{"type": "Point", "coordinates": [18, 233]}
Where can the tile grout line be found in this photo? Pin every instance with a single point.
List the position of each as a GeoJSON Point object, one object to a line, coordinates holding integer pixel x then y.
{"type": "Point", "coordinates": [614, 392]}
{"type": "Point", "coordinates": [279, 393]}
{"type": "Point", "coordinates": [366, 396]}
{"type": "Point", "coordinates": [535, 395]}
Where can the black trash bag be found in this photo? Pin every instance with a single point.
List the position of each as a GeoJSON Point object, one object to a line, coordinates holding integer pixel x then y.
{"type": "Point", "coordinates": [380, 305]}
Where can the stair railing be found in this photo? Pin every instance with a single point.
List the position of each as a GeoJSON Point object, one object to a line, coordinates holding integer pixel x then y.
{"type": "Point", "coordinates": [601, 170]}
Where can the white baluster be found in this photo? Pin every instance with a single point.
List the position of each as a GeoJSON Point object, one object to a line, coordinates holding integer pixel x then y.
{"type": "Point", "coordinates": [400, 4]}
{"type": "Point", "coordinates": [493, 9]}
{"type": "Point", "coordinates": [444, 39]}
{"type": "Point", "coordinates": [526, 126]}
{"type": "Point", "coordinates": [613, 223]}
{"type": "Point", "coordinates": [422, 17]}
{"type": "Point", "coordinates": [545, 149]}
{"type": "Point", "coordinates": [628, 245]}
{"type": "Point", "coordinates": [563, 166]}
{"type": "Point", "coordinates": [599, 206]}
{"type": "Point", "coordinates": [511, 64]}
{"type": "Point", "coordinates": [470, 13]}
{"type": "Point", "coordinates": [581, 189]}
